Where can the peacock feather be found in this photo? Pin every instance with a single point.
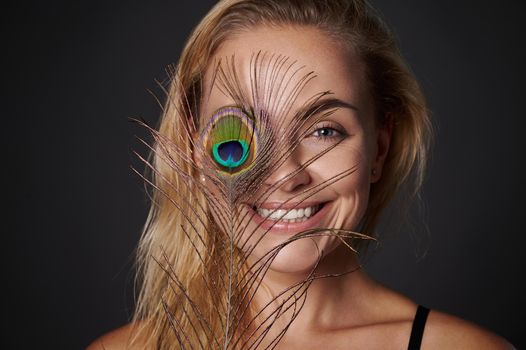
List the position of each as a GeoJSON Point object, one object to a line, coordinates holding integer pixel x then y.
{"type": "Point", "coordinates": [230, 140]}
{"type": "Point", "coordinates": [218, 166]}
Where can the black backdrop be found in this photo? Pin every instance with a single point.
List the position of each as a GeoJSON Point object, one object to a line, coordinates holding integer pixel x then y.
{"type": "Point", "coordinates": [73, 209]}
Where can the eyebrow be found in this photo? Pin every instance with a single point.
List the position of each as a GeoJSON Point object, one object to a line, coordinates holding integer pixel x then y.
{"type": "Point", "coordinates": [322, 105]}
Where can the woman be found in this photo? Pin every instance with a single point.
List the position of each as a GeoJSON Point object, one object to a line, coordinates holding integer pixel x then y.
{"type": "Point", "coordinates": [289, 125]}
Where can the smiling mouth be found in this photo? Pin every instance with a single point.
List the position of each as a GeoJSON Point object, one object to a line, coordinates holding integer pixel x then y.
{"type": "Point", "coordinates": [292, 215]}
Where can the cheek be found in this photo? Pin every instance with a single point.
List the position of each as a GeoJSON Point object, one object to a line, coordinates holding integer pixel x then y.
{"type": "Point", "coordinates": [350, 193]}
{"type": "Point", "coordinates": [347, 165]}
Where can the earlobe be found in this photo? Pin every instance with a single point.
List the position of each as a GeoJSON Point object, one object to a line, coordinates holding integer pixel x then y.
{"type": "Point", "coordinates": [383, 142]}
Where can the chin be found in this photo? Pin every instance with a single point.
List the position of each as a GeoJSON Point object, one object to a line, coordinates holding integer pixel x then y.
{"type": "Point", "coordinates": [302, 256]}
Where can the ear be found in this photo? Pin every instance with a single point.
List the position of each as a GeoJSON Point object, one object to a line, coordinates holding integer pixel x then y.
{"type": "Point", "coordinates": [383, 141]}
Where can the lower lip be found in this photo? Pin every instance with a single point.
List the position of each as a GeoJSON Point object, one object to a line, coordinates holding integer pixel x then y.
{"type": "Point", "coordinates": [282, 227]}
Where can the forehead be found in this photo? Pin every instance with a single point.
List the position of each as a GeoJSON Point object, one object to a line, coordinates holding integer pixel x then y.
{"type": "Point", "coordinates": [286, 55]}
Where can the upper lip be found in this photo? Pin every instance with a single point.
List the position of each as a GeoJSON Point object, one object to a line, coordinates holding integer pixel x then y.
{"type": "Point", "coordinates": [286, 206]}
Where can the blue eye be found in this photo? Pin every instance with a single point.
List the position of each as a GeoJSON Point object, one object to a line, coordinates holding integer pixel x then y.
{"type": "Point", "coordinates": [325, 132]}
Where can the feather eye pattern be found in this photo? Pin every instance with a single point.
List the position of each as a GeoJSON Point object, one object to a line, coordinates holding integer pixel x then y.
{"type": "Point", "coordinates": [230, 140]}
{"type": "Point", "coordinates": [213, 171]}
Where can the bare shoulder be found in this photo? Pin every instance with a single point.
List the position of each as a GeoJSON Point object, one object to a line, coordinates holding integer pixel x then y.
{"type": "Point", "coordinates": [118, 339]}
{"type": "Point", "coordinates": [444, 331]}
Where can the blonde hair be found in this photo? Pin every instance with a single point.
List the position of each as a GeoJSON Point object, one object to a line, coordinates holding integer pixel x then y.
{"type": "Point", "coordinates": [164, 242]}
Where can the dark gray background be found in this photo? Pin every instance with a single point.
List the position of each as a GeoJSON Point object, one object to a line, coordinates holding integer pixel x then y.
{"type": "Point", "coordinates": [76, 71]}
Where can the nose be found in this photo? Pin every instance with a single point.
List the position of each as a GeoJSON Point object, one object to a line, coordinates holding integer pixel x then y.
{"type": "Point", "coordinates": [289, 176]}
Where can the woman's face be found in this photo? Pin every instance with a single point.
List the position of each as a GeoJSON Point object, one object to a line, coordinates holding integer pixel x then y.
{"type": "Point", "coordinates": [354, 145]}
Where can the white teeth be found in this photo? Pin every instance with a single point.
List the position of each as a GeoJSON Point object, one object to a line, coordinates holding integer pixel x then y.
{"type": "Point", "coordinates": [291, 215]}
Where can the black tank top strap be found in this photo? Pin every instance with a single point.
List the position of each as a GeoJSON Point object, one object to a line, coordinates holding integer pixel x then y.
{"type": "Point", "coordinates": [417, 331]}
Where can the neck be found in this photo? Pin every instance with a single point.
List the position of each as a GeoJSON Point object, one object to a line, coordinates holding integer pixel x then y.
{"type": "Point", "coordinates": [337, 284]}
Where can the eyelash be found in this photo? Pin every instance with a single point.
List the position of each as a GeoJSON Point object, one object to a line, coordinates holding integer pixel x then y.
{"type": "Point", "coordinates": [338, 132]}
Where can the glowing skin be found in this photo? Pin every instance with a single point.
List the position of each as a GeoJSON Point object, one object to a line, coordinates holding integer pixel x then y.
{"type": "Point", "coordinates": [352, 126]}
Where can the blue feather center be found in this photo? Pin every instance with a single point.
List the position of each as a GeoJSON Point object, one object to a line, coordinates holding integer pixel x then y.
{"type": "Point", "coordinates": [230, 153]}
